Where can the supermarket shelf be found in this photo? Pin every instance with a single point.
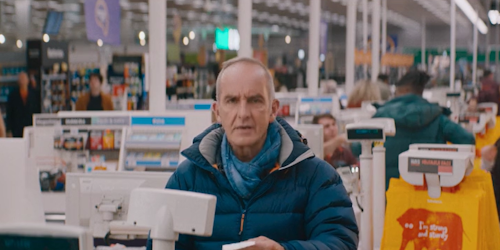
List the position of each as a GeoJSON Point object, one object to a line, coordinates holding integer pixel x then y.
{"type": "Point", "coordinates": [105, 150]}
{"type": "Point", "coordinates": [59, 77]}
{"type": "Point", "coordinates": [8, 79]}
{"type": "Point", "coordinates": [155, 163]}
{"type": "Point", "coordinates": [152, 145]}
{"type": "Point", "coordinates": [152, 169]}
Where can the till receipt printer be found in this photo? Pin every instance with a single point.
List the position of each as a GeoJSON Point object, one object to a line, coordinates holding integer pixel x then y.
{"type": "Point", "coordinates": [440, 168]}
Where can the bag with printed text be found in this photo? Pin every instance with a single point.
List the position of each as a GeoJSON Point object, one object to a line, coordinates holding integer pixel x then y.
{"type": "Point", "coordinates": [465, 219]}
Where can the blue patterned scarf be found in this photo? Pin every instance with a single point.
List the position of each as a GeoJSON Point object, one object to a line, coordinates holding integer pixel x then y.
{"type": "Point", "coordinates": [244, 177]}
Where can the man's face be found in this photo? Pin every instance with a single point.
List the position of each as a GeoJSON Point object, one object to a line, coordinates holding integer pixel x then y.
{"type": "Point", "coordinates": [95, 85]}
{"type": "Point", "coordinates": [243, 106]}
{"type": "Point", "coordinates": [330, 129]}
{"type": "Point", "coordinates": [23, 80]}
{"type": "Point", "coordinates": [472, 105]}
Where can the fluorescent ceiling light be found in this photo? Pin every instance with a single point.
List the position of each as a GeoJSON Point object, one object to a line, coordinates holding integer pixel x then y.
{"type": "Point", "coordinates": [465, 6]}
{"type": "Point", "coordinates": [493, 15]}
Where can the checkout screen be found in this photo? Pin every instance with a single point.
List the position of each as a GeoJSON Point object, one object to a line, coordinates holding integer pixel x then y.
{"type": "Point", "coordinates": [365, 134]}
{"type": "Point", "coordinates": [20, 242]}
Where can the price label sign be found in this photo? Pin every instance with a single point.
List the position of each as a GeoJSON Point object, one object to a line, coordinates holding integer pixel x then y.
{"type": "Point", "coordinates": [430, 166]}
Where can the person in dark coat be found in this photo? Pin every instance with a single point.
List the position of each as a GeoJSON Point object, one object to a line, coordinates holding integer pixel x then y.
{"type": "Point", "coordinates": [22, 103]}
{"type": "Point", "coordinates": [490, 161]}
{"type": "Point", "coordinates": [490, 90]}
{"type": "Point", "coordinates": [270, 187]}
{"type": "Point", "coordinates": [417, 121]}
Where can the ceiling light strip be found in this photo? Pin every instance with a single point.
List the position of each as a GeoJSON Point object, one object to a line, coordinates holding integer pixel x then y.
{"type": "Point", "coordinates": [465, 6]}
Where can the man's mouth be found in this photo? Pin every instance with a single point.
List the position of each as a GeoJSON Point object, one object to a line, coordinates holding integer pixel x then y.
{"type": "Point", "coordinates": [243, 127]}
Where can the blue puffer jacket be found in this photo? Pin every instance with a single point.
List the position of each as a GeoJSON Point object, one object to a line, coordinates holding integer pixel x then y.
{"type": "Point", "coordinates": [303, 205]}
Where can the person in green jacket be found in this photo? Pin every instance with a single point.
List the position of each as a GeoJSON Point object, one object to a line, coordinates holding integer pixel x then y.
{"type": "Point", "coordinates": [417, 121]}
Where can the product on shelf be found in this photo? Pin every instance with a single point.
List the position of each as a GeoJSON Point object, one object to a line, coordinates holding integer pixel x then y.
{"type": "Point", "coordinates": [125, 74]}
{"type": "Point", "coordinates": [152, 159]}
{"type": "Point", "coordinates": [54, 180]}
{"type": "Point", "coordinates": [108, 139]}
{"type": "Point", "coordinates": [67, 141]}
{"type": "Point", "coordinates": [96, 140]}
{"type": "Point", "coordinates": [158, 137]}
{"type": "Point", "coordinates": [55, 93]}
{"type": "Point", "coordinates": [98, 163]}
{"type": "Point", "coordinates": [118, 139]}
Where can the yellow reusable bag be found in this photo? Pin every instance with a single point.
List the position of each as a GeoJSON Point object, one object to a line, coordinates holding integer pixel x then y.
{"type": "Point", "coordinates": [414, 221]}
{"type": "Point", "coordinates": [489, 217]}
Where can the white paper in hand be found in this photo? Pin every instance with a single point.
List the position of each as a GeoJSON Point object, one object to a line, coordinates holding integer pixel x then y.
{"type": "Point", "coordinates": [237, 246]}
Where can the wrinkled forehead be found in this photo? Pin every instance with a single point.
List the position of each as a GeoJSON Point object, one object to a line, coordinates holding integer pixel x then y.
{"type": "Point", "coordinates": [244, 79]}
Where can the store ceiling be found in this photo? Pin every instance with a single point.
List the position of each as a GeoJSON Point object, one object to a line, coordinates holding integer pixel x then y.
{"type": "Point", "coordinates": [289, 15]}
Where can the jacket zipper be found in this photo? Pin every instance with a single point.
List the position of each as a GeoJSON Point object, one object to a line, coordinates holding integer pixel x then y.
{"type": "Point", "coordinates": [242, 222]}
{"type": "Point", "coordinates": [243, 213]}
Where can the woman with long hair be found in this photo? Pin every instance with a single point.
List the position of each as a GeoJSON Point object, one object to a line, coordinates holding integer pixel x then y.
{"type": "Point", "coordinates": [364, 90]}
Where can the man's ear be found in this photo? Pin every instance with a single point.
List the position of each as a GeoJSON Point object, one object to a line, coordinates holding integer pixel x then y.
{"type": "Point", "coordinates": [275, 106]}
{"type": "Point", "coordinates": [215, 110]}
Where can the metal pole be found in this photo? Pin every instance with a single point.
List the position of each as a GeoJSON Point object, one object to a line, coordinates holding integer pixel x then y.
{"type": "Point", "coordinates": [474, 57]}
{"type": "Point", "coordinates": [486, 48]}
{"type": "Point", "coordinates": [384, 30]}
{"type": "Point", "coordinates": [453, 26]}
{"type": "Point", "coordinates": [245, 28]}
{"type": "Point", "coordinates": [375, 40]}
{"type": "Point", "coordinates": [496, 47]}
{"type": "Point", "coordinates": [350, 45]}
{"type": "Point", "coordinates": [365, 34]}
{"type": "Point", "coordinates": [158, 62]}
{"type": "Point", "coordinates": [313, 58]}
{"type": "Point", "coordinates": [423, 50]}
{"type": "Point", "coordinates": [365, 167]}
{"type": "Point", "coordinates": [23, 17]}
{"type": "Point", "coordinates": [378, 192]}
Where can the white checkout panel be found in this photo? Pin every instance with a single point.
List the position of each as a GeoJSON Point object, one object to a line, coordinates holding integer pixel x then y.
{"type": "Point", "coordinates": [87, 142]}
{"type": "Point", "coordinates": [307, 107]}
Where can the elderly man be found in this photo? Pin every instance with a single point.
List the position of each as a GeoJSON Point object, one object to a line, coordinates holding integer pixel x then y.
{"type": "Point", "coordinates": [270, 188]}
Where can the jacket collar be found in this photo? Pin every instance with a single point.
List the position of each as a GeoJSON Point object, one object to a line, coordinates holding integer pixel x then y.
{"type": "Point", "coordinates": [205, 151]}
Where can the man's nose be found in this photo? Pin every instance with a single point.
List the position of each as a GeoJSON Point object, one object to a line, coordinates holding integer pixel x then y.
{"type": "Point", "coordinates": [243, 109]}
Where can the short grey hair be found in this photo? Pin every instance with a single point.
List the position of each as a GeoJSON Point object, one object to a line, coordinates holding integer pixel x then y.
{"type": "Point", "coordinates": [229, 63]}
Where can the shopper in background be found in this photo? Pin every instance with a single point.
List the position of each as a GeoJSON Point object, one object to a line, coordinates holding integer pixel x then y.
{"type": "Point", "coordinates": [383, 85]}
{"type": "Point", "coordinates": [472, 105]}
{"type": "Point", "coordinates": [490, 161]}
{"type": "Point", "coordinates": [279, 87]}
{"type": "Point", "coordinates": [3, 131]}
{"type": "Point", "coordinates": [22, 103]}
{"type": "Point", "coordinates": [364, 90]}
{"type": "Point", "coordinates": [490, 90]}
{"type": "Point", "coordinates": [270, 188]}
{"type": "Point", "coordinates": [95, 99]}
{"type": "Point", "coordinates": [417, 121]}
{"type": "Point", "coordinates": [334, 151]}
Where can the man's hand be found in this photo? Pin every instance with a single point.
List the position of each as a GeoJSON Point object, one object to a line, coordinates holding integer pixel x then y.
{"type": "Point", "coordinates": [264, 243]}
{"type": "Point", "coordinates": [330, 146]}
{"type": "Point", "coordinates": [489, 153]}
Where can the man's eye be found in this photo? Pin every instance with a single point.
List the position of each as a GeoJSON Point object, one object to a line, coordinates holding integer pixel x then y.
{"type": "Point", "coordinates": [231, 101]}
{"type": "Point", "coordinates": [255, 101]}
